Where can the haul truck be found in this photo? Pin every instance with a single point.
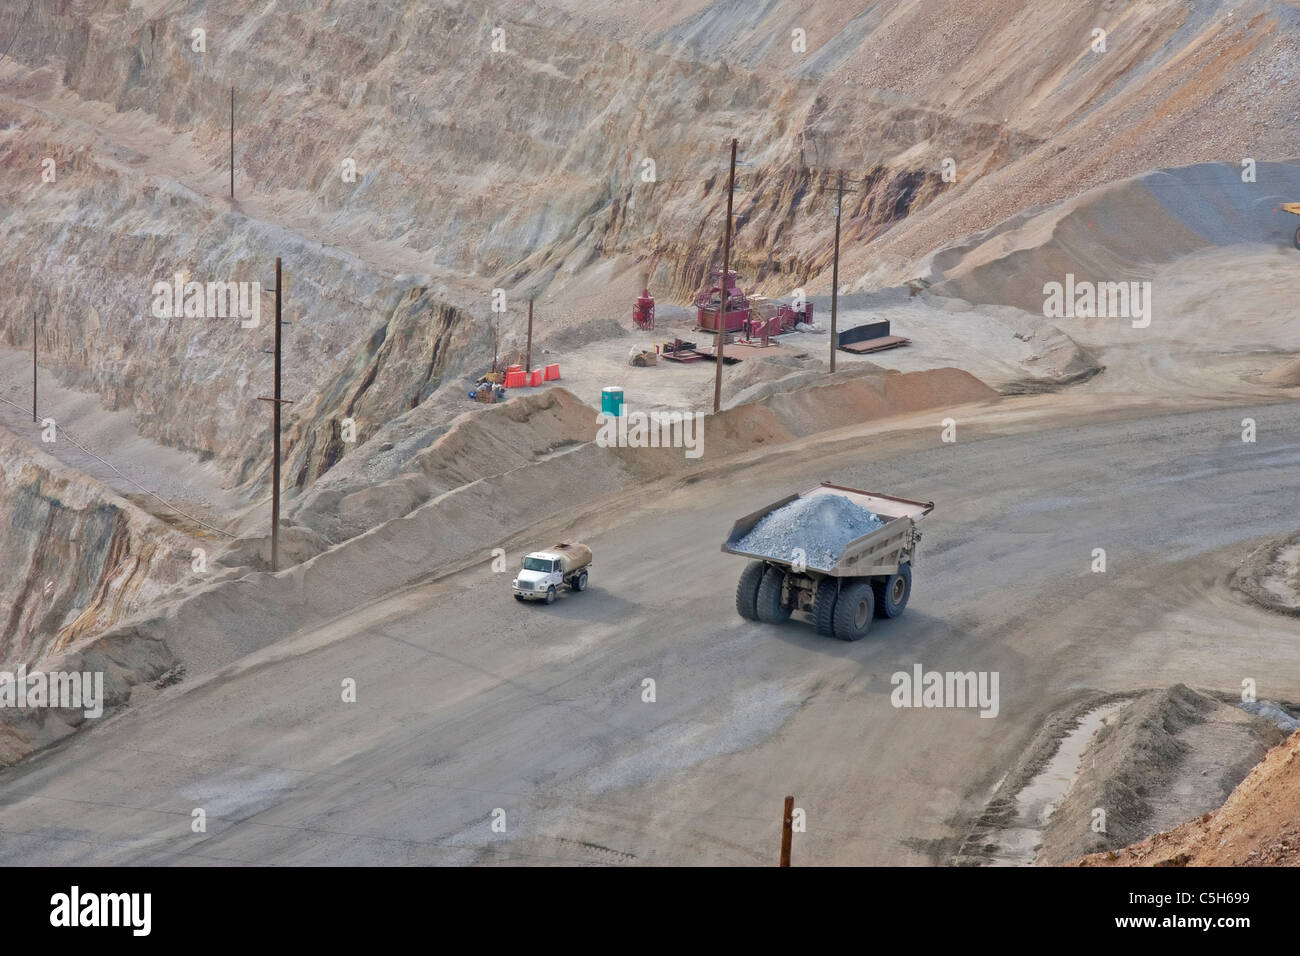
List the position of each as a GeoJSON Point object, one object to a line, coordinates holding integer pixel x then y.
{"type": "Point", "coordinates": [871, 576]}
{"type": "Point", "coordinates": [543, 572]}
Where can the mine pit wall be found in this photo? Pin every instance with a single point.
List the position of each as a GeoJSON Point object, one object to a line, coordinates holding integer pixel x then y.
{"type": "Point", "coordinates": [534, 178]}
{"type": "Point", "coordinates": [539, 150]}
{"type": "Point", "coordinates": [781, 202]}
{"type": "Point", "coordinates": [86, 252]}
{"type": "Point", "coordinates": [519, 184]}
{"type": "Point", "coordinates": [77, 559]}
{"type": "Point", "coordinates": [422, 344]}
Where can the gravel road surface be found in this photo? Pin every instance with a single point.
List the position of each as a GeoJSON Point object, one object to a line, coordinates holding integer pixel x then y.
{"type": "Point", "coordinates": [470, 707]}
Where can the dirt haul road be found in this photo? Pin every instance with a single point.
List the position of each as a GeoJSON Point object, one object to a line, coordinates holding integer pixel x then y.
{"type": "Point", "coordinates": [471, 708]}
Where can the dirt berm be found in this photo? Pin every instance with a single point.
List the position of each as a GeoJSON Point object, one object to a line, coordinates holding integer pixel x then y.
{"type": "Point", "coordinates": [1169, 755]}
{"type": "Point", "coordinates": [1271, 576]}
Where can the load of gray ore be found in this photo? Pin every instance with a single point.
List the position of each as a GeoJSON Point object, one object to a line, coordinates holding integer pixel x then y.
{"type": "Point", "coordinates": [821, 526]}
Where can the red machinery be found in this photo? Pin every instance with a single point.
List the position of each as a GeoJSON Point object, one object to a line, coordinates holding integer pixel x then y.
{"type": "Point", "coordinates": [755, 319]}
{"type": "Point", "coordinates": [643, 312]}
{"type": "Point", "coordinates": [708, 303]}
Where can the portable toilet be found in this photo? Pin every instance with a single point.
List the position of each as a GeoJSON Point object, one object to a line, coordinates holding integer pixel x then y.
{"type": "Point", "coordinates": [611, 400]}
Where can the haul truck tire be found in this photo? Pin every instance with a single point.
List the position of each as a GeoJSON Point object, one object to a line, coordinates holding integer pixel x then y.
{"type": "Point", "coordinates": [854, 610]}
{"type": "Point", "coordinates": [824, 607]}
{"type": "Point", "coordinates": [892, 593]}
{"type": "Point", "coordinates": [747, 590]}
{"type": "Point", "coordinates": [579, 583]}
{"type": "Point", "coordinates": [550, 594]}
{"type": "Point", "coordinates": [770, 608]}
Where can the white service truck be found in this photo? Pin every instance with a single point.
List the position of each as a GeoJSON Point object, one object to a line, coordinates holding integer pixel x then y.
{"type": "Point", "coordinates": [543, 572]}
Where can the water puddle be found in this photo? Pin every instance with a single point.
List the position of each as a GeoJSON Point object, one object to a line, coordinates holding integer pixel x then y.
{"type": "Point", "coordinates": [1017, 845]}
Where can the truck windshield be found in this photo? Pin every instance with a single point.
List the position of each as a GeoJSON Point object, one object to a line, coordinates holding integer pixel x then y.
{"type": "Point", "coordinates": [537, 564]}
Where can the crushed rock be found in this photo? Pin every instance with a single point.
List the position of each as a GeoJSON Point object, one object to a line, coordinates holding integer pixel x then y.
{"type": "Point", "coordinates": [821, 525]}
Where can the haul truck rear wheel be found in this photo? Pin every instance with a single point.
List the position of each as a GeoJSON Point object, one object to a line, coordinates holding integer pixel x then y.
{"type": "Point", "coordinates": [769, 606]}
{"type": "Point", "coordinates": [579, 583]}
{"type": "Point", "coordinates": [893, 592]}
{"type": "Point", "coordinates": [747, 590]}
{"type": "Point", "coordinates": [824, 606]}
{"type": "Point", "coordinates": [853, 611]}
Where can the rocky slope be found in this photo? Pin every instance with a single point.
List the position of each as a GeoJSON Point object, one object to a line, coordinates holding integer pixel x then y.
{"type": "Point", "coordinates": [522, 167]}
{"type": "Point", "coordinates": [1258, 825]}
{"type": "Point", "coordinates": [76, 557]}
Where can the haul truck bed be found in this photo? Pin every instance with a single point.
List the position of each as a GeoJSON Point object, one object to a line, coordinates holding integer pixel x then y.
{"type": "Point", "coordinates": [871, 576]}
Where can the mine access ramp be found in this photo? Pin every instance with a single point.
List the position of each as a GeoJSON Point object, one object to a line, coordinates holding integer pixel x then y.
{"type": "Point", "coordinates": [841, 585]}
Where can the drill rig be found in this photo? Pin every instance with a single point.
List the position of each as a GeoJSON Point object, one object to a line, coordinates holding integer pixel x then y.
{"type": "Point", "coordinates": [755, 317]}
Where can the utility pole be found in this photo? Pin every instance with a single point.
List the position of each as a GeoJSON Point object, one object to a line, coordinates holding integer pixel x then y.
{"type": "Point", "coordinates": [835, 269]}
{"type": "Point", "coordinates": [787, 831]}
{"type": "Point", "coordinates": [721, 337]}
{"type": "Point", "coordinates": [232, 145]}
{"type": "Point", "coordinates": [276, 402]}
{"type": "Point", "coordinates": [33, 363]}
{"type": "Point", "coordinates": [275, 410]}
{"type": "Point", "coordinates": [528, 353]}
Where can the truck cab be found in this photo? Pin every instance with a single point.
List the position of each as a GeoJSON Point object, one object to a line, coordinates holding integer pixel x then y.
{"type": "Point", "coordinates": [537, 573]}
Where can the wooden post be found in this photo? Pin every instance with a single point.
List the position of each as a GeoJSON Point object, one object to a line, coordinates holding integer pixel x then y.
{"type": "Point", "coordinates": [276, 402]}
{"type": "Point", "coordinates": [721, 338]}
{"type": "Point", "coordinates": [275, 466]}
{"type": "Point", "coordinates": [232, 143]}
{"type": "Point", "coordinates": [528, 352]}
{"type": "Point", "coordinates": [835, 270]}
{"type": "Point", "coordinates": [787, 831]}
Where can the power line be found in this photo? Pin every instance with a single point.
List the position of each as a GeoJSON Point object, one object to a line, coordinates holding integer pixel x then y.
{"type": "Point", "coordinates": [126, 478]}
{"type": "Point", "coordinates": [21, 24]}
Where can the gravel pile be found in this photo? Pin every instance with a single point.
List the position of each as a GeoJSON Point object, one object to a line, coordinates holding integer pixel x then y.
{"type": "Point", "coordinates": [821, 526]}
{"type": "Point", "coordinates": [1270, 710]}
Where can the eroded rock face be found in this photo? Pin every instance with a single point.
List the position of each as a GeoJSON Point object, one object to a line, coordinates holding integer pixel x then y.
{"type": "Point", "coordinates": [86, 255]}
{"type": "Point", "coordinates": [77, 559]}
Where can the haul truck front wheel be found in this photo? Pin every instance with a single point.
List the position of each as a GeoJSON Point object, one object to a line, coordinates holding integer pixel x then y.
{"type": "Point", "coordinates": [853, 611]}
{"type": "Point", "coordinates": [892, 592]}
